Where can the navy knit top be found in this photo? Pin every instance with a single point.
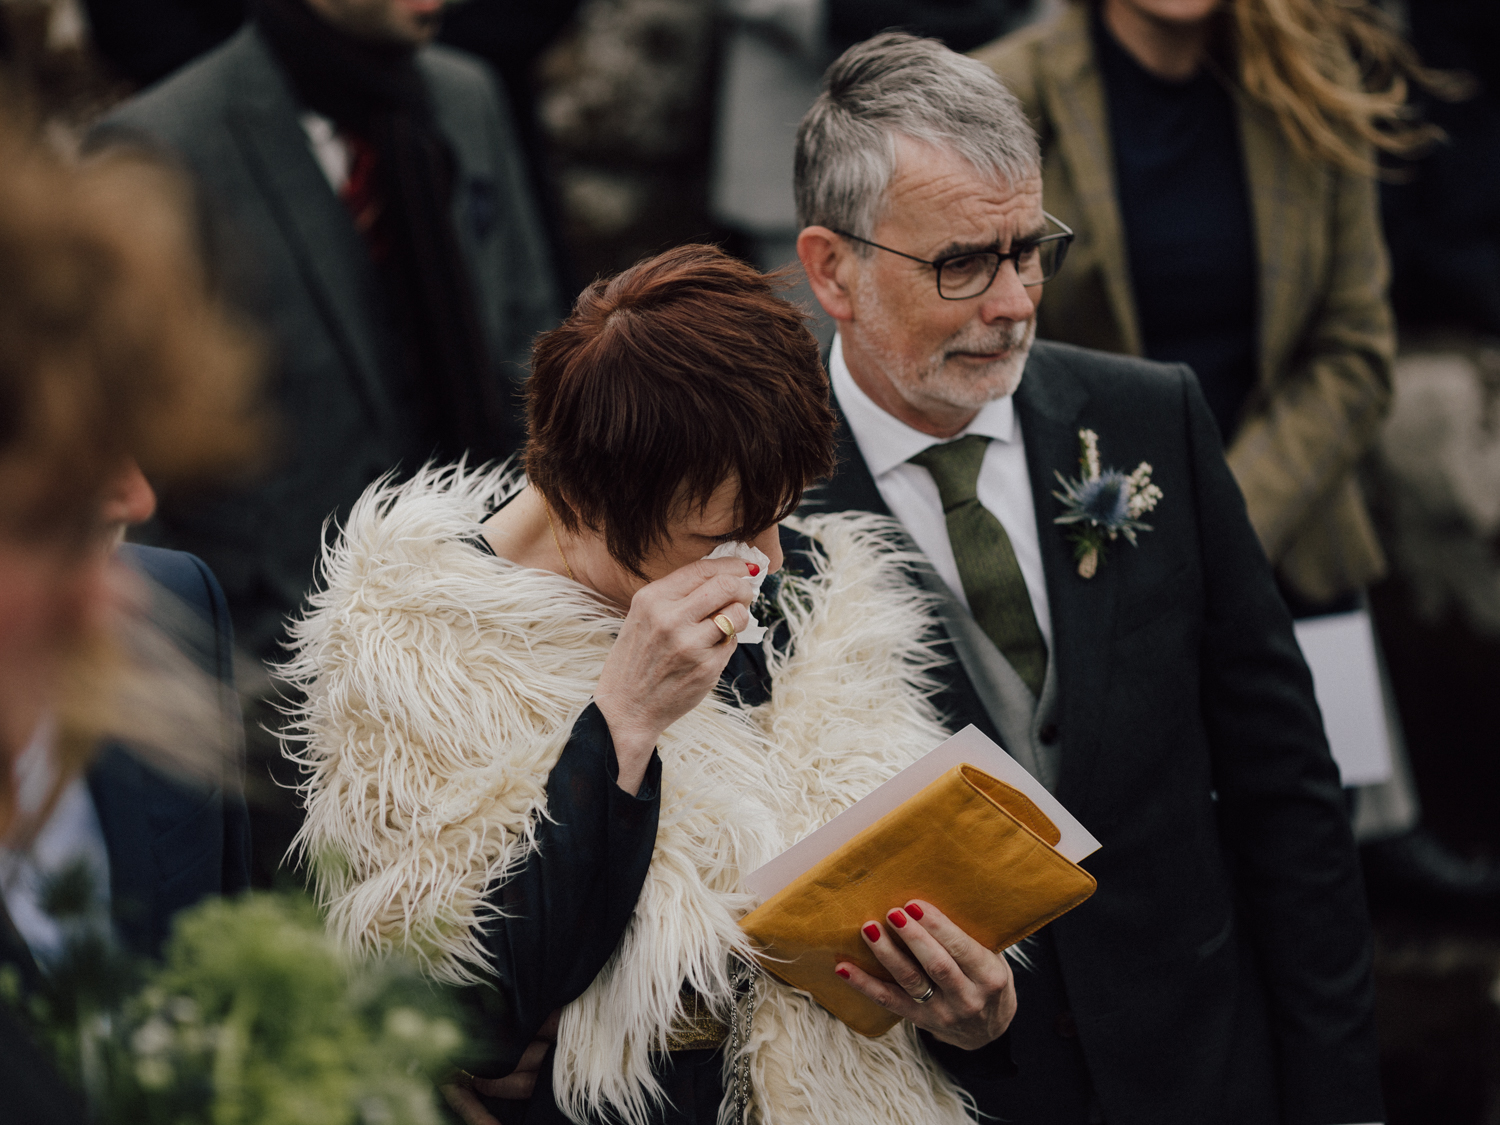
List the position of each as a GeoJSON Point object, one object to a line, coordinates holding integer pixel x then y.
{"type": "Point", "coordinates": [1189, 236]}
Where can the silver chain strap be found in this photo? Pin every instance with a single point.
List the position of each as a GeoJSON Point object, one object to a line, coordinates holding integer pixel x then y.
{"type": "Point", "coordinates": [741, 1017]}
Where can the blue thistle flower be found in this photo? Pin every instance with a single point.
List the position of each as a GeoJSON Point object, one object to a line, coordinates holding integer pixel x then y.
{"type": "Point", "coordinates": [1106, 499]}
{"type": "Point", "coordinates": [1097, 507]}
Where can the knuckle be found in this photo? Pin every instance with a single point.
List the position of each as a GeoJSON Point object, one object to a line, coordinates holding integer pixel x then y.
{"type": "Point", "coordinates": [887, 998]}
{"type": "Point", "coordinates": [944, 973]}
{"type": "Point", "coordinates": [910, 981]}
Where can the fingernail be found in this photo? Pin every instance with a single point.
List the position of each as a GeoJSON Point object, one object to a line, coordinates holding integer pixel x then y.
{"type": "Point", "coordinates": [843, 973]}
{"type": "Point", "coordinates": [914, 910]}
{"type": "Point", "coordinates": [872, 931]}
{"type": "Point", "coordinates": [897, 918]}
{"type": "Point", "coordinates": [754, 569]}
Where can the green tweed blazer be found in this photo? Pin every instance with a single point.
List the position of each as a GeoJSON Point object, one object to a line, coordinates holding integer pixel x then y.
{"type": "Point", "coordinates": [1326, 333]}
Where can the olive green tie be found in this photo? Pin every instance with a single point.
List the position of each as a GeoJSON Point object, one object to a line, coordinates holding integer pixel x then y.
{"type": "Point", "coordinates": [986, 561]}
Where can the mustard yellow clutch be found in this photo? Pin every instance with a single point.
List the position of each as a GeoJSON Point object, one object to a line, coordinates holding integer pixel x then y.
{"type": "Point", "coordinates": [975, 847]}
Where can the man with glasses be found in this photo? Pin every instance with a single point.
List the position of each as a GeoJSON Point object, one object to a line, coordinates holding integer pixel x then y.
{"type": "Point", "coordinates": [1221, 973]}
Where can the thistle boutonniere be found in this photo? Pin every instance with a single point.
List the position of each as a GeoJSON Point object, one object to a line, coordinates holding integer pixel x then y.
{"type": "Point", "coordinates": [1100, 506]}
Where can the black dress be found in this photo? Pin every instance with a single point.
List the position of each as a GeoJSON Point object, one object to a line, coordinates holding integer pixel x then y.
{"type": "Point", "coordinates": [566, 910]}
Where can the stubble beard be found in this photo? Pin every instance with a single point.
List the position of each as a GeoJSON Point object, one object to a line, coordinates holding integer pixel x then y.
{"type": "Point", "coordinates": [936, 380]}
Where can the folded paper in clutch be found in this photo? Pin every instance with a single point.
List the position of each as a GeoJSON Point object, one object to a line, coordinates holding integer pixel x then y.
{"type": "Point", "coordinates": [978, 849]}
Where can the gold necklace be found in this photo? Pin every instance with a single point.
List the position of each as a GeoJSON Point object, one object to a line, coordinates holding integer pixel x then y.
{"type": "Point", "coordinates": [546, 507]}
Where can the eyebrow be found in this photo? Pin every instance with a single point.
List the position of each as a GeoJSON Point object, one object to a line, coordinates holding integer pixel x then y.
{"type": "Point", "coordinates": [958, 249]}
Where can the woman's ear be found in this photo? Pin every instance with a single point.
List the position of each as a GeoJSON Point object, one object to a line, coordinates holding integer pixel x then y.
{"type": "Point", "coordinates": [826, 260]}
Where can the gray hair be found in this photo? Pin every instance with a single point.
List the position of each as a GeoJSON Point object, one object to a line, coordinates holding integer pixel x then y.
{"type": "Point", "coordinates": [893, 84]}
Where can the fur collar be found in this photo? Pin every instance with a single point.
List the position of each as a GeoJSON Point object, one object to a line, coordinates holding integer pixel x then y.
{"type": "Point", "coordinates": [441, 687]}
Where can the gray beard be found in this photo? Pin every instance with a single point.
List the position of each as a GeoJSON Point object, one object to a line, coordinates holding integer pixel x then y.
{"type": "Point", "coordinates": [968, 393]}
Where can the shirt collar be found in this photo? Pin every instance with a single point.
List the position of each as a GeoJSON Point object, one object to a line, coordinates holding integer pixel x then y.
{"type": "Point", "coordinates": [884, 440]}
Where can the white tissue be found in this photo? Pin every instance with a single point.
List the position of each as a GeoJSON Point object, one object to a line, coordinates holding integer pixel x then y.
{"type": "Point", "coordinates": [754, 632]}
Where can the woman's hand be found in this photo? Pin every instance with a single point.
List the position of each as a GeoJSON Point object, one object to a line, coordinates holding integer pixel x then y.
{"type": "Point", "coordinates": [968, 993]}
{"type": "Point", "coordinates": [518, 1085]}
{"type": "Point", "coordinates": [669, 656]}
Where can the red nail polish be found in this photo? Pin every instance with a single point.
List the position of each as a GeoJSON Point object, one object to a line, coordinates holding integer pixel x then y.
{"type": "Point", "coordinates": [914, 910]}
{"type": "Point", "coordinates": [872, 931]}
{"type": "Point", "coordinates": [754, 569]}
{"type": "Point", "coordinates": [898, 919]}
{"type": "Point", "coordinates": [843, 973]}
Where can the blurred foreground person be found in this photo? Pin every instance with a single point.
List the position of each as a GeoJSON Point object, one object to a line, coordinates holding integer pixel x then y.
{"type": "Point", "coordinates": [375, 221]}
{"type": "Point", "coordinates": [1218, 164]}
{"type": "Point", "coordinates": [540, 757]}
{"type": "Point", "coordinates": [108, 350]}
{"type": "Point", "coordinates": [151, 843]}
{"type": "Point", "coordinates": [1124, 640]}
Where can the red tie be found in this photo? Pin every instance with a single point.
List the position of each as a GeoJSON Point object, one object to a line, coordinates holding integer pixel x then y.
{"type": "Point", "coordinates": [361, 195]}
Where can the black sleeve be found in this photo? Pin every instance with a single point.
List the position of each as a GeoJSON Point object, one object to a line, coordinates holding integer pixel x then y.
{"type": "Point", "coordinates": [565, 910]}
{"type": "Point", "coordinates": [977, 1071]}
{"type": "Point", "coordinates": [1282, 812]}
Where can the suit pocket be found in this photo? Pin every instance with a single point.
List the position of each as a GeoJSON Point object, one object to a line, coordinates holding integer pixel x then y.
{"type": "Point", "coordinates": [1143, 609]}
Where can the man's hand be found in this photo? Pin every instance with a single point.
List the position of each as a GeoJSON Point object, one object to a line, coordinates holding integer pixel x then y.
{"type": "Point", "coordinates": [518, 1085]}
{"type": "Point", "coordinates": [973, 995]}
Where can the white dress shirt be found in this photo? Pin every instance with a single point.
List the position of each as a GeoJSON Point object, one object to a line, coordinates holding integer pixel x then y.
{"type": "Point", "coordinates": [887, 445]}
{"type": "Point", "coordinates": [72, 835]}
{"type": "Point", "coordinates": [329, 149]}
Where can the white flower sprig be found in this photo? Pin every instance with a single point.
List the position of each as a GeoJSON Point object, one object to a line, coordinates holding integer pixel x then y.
{"type": "Point", "coordinates": [1103, 504]}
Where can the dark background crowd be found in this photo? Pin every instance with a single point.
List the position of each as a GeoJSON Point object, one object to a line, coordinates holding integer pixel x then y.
{"type": "Point", "coordinates": [630, 126]}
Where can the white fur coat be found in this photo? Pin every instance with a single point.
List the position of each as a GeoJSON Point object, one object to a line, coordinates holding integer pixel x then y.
{"type": "Point", "coordinates": [442, 684]}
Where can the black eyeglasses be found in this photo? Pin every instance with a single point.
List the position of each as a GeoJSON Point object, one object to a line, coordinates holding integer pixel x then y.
{"type": "Point", "coordinates": [961, 276]}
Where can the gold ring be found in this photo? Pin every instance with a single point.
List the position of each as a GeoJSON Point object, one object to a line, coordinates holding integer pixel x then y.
{"type": "Point", "coordinates": [725, 625]}
{"type": "Point", "coordinates": [926, 996]}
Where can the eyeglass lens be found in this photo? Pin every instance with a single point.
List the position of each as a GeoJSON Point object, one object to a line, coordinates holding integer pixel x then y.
{"type": "Point", "coordinates": [971, 274]}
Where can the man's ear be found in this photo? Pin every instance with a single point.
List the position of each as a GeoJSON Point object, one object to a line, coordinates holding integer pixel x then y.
{"type": "Point", "coordinates": [826, 260]}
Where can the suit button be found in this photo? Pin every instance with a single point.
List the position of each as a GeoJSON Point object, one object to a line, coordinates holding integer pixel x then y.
{"type": "Point", "coordinates": [1065, 1026]}
{"type": "Point", "coordinates": [1048, 734]}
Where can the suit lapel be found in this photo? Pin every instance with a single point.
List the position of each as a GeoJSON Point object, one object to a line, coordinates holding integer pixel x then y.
{"type": "Point", "coordinates": [1050, 404]}
{"type": "Point", "coordinates": [1073, 92]}
{"type": "Point", "coordinates": [264, 121]}
{"type": "Point", "coordinates": [851, 488]}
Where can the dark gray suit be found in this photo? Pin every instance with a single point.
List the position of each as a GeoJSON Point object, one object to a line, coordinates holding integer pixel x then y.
{"type": "Point", "coordinates": [1221, 973]}
{"type": "Point", "coordinates": [291, 256]}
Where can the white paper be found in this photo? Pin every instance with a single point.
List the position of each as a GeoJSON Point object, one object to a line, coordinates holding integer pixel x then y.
{"type": "Point", "coordinates": [1340, 650]}
{"type": "Point", "coordinates": [754, 632]}
{"type": "Point", "coordinates": [970, 747]}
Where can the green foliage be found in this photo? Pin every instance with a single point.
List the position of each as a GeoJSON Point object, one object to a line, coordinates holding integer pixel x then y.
{"type": "Point", "coordinates": [256, 1018]}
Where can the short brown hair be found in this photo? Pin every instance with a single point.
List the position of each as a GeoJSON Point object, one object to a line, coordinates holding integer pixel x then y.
{"type": "Point", "coordinates": [684, 371]}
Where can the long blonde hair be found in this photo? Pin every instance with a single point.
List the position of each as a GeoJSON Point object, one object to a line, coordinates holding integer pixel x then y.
{"type": "Point", "coordinates": [1338, 76]}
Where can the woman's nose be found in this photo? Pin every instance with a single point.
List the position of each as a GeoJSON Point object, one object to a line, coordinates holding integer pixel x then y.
{"type": "Point", "coordinates": [769, 543]}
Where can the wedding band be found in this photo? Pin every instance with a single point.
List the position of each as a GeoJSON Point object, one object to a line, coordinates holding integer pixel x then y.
{"type": "Point", "coordinates": [725, 625]}
{"type": "Point", "coordinates": [926, 996]}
